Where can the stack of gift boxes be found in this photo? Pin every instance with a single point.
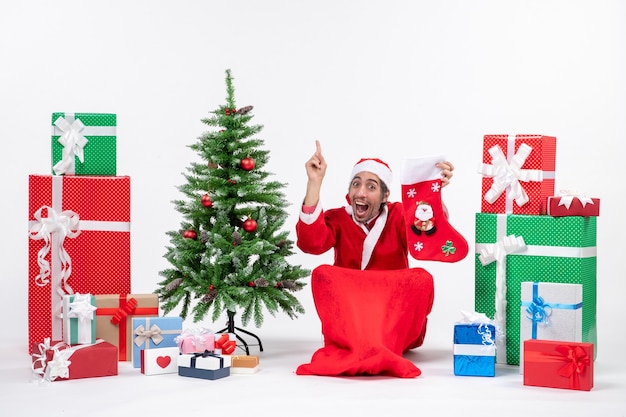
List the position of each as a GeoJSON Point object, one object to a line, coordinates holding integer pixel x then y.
{"type": "Point", "coordinates": [535, 264]}
{"type": "Point", "coordinates": [82, 317]}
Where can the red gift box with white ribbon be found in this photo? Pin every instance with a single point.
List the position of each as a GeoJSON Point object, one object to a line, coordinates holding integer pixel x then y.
{"type": "Point", "coordinates": [79, 242]}
{"type": "Point", "coordinates": [58, 361]}
{"type": "Point", "coordinates": [518, 173]}
{"type": "Point", "coordinates": [572, 203]}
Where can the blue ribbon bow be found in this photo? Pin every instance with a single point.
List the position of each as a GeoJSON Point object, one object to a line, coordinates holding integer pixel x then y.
{"type": "Point", "coordinates": [538, 311]}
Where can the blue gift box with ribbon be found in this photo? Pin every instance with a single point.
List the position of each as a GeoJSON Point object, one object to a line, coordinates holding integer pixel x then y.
{"type": "Point", "coordinates": [474, 349]}
{"type": "Point", "coordinates": [206, 365]}
{"type": "Point", "coordinates": [154, 332]}
{"type": "Point", "coordinates": [550, 311]}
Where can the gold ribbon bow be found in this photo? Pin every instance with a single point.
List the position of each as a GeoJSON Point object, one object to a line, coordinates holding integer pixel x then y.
{"type": "Point", "coordinates": [143, 335]}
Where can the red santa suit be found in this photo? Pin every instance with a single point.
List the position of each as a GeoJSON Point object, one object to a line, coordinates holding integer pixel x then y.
{"type": "Point", "coordinates": [372, 306]}
{"type": "Point", "coordinates": [383, 247]}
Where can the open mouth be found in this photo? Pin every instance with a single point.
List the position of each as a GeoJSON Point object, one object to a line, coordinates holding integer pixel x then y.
{"type": "Point", "coordinates": [361, 209]}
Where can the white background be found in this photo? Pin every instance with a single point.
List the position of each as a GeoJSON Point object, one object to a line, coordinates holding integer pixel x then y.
{"type": "Point", "coordinates": [389, 79]}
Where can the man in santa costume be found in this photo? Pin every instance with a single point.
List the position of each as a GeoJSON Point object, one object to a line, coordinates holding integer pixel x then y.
{"type": "Point", "coordinates": [368, 235]}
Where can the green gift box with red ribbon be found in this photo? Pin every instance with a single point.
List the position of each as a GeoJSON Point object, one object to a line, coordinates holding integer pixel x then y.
{"type": "Point", "coordinates": [511, 249]}
{"type": "Point", "coordinates": [79, 242]}
{"type": "Point", "coordinates": [114, 316]}
{"type": "Point", "coordinates": [84, 144]}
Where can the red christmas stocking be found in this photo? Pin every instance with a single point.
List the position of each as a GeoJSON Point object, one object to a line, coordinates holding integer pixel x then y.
{"type": "Point", "coordinates": [429, 235]}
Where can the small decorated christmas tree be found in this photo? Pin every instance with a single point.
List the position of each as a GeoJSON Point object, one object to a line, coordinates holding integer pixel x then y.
{"type": "Point", "coordinates": [230, 253]}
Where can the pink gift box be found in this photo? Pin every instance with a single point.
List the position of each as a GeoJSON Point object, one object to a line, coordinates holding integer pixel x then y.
{"type": "Point", "coordinates": [195, 341]}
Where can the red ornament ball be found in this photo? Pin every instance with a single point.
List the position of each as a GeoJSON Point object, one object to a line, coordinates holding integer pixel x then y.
{"type": "Point", "coordinates": [211, 287]}
{"type": "Point", "coordinates": [249, 225]}
{"type": "Point", "coordinates": [206, 201]}
{"type": "Point", "coordinates": [251, 284]}
{"type": "Point", "coordinates": [247, 164]}
{"type": "Point", "coordinates": [190, 234]}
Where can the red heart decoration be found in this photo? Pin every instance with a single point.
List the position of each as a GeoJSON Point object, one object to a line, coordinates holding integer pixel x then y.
{"type": "Point", "coordinates": [163, 361]}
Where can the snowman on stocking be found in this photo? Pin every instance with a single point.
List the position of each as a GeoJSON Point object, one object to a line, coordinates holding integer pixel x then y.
{"type": "Point", "coordinates": [429, 234]}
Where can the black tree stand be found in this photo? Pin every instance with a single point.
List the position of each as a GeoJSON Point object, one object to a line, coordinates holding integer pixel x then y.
{"type": "Point", "coordinates": [230, 328]}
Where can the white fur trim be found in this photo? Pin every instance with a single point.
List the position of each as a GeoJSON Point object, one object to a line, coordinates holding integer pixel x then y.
{"type": "Point", "coordinates": [421, 169]}
{"type": "Point", "coordinates": [369, 165]}
{"type": "Point", "coordinates": [372, 238]}
{"type": "Point", "coordinates": [312, 217]}
{"type": "Point", "coordinates": [372, 235]}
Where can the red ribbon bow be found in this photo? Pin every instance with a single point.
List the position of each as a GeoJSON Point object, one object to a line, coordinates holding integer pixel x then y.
{"type": "Point", "coordinates": [124, 311]}
{"type": "Point", "coordinates": [226, 343]}
{"type": "Point", "coordinates": [576, 360]}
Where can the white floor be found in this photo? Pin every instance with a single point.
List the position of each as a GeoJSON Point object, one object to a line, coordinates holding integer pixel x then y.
{"type": "Point", "coordinates": [276, 390]}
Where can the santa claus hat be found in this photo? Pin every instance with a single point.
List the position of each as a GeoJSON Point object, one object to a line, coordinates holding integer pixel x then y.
{"type": "Point", "coordinates": [375, 166]}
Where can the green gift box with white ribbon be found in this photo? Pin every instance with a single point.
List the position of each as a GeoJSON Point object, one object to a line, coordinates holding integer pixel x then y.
{"type": "Point", "coordinates": [513, 248]}
{"type": "Point", "coordinates": [84, 144]}
{"type": "Point", "coordinates": [79, 319]}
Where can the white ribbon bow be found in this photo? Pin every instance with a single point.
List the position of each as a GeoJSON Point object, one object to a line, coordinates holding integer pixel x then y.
{"type": "Point", "coordinates": [81, 308]}
{"type": "Point", "coordinates": [73, 143]}
{"type": "Point", "coordinates": [41, 356]}
{"type": "Point", "coordinates": [473, 318]}
{"type": "Point", "coordinates": [200, 336]}
{"type": "Point", "coordinates": [59, 365]}
{"type": "Point", "coordinates": [64, 224]}
{"type": "Point", "coordinates": [508, 175]}
{"type": "Point", "coordinates": [567, 196]}
{"type": "Point", "coordinates": [498, 252]}
{"type": "Point", "coordinates": [481, 320]}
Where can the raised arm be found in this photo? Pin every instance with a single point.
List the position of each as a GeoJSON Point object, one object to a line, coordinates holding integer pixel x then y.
{"type": "Point", "coordinates": [315, 171]}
